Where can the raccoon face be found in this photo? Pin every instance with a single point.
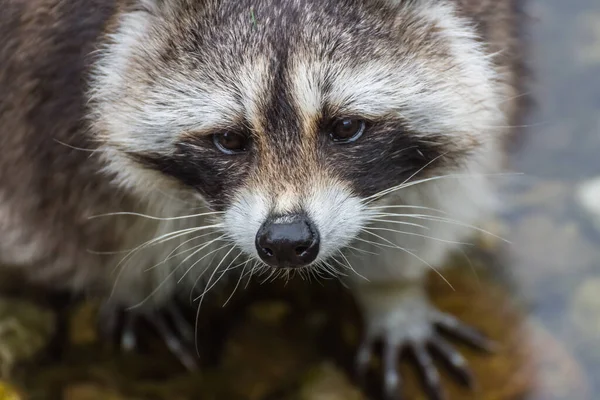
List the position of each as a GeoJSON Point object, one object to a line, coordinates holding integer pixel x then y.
{"type": "Point", "coordinates": [292, 116]}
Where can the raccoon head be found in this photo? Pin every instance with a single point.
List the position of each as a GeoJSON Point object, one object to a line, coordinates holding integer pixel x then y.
{"type": "Point", "coordinates": [292, 116]}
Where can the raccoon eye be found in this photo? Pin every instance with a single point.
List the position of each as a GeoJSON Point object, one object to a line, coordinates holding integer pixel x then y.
{"type": "Point", "coordinates": [346, 130]}
{"type": "Point", "coordinates": [230, 142]}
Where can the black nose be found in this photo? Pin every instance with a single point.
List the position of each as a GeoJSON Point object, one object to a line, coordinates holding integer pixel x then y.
{"type": "Point", "coordinates": [288, 242]}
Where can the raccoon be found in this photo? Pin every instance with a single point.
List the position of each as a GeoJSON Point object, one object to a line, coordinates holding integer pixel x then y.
{"type": "Point", "coordinates": [150, 145]}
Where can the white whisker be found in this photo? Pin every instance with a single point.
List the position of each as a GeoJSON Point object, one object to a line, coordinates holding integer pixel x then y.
{"type": "Point", "coordinates": [360, 250]}
{"type": "Point", "coordinates": [164, 238]}
{"type": "Point", "coordinates": [420, 181]}
{"type": "Point", "coordinates": [238, 282]}
{"type": "Point", "coordinates": [167, 236]}
{"type": "Point", "coordinates": [197, 261]}
{"type": "Point", "coordinates": [414, 255]}
{"type": "Point", "coordinates": [278, 273]}
{"type": "Point", "coordinates": [382, 245]}
{"type": "Point", "coordinates": [201, 297]}
{"type": "Point", "coordinates": [471, 266]}
{"type": "Point", "coordinates": [450, 221]}
{"type": "Point", "coordinates": [166, 279]}
{"type": "Point", "coordinates": [128, 257]}
{"type": "Point", "coordinates": [350, 265]}
{"type": "Point", "coordinates": [414, 234]}
{"type": "Point", "coordinates": [273, 271]}
{"type": "Point", "coordinates": [316, 272]}
{"type": "Point", "coordinates": [302, 274]}
{"type": "Point", "coordinates": [252, 269]}
{"type": "Point", "coordinates": [407, 206]}
{"type": "Point", "coordinates": [387, 191]}
{"type": "Point", "coordinates": [333, 271]}
{"type": "Point", "coordinates": [171, 255]}
{"type": "Point", "coordinates": [136, 248]}
{"type": "Point", "coordinates": [375, 218]}
{"type": "Point", "coordinates": [77, 148]}
{"type": "Point", "coordinates": [208, 288]}
{"type": "Point", "coordinates": [156, 218]}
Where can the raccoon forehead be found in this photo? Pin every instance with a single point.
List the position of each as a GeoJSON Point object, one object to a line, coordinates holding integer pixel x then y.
{"type": "Point", "coordinates": [434, 74]}
{"type": "Point", "coordinates": [143, 104]}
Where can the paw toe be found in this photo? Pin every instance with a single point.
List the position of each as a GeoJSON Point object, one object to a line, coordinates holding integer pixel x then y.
{"type": "Point", "coordinates": [455, 361]}
{"type": "Point", "coordinates": [429, 371]}
{"type": "Point", "coordinates": [465, 333]}
{"type": "Point", "coordinates": [391, 375]}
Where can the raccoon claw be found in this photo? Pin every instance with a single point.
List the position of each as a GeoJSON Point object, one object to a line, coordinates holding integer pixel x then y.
{"type": "Point", "coordinates": [169, 323]}
{"type": "Point", "coordinates": [452, 357]}
{"type": "Point", "coordinates": [422, 340]}
{"type": "Point", "coordinates": [392, 380]}
{"type": "Point", "coordinates": [467, 334]}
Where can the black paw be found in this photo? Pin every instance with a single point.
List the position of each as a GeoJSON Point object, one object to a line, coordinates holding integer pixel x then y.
{"type": "Point", "coordinates": [168, 322]}
{"type": "Point", "coordinates": [422, 340]}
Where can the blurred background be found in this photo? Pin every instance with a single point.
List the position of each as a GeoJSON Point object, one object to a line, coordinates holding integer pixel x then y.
{"type": "Point", "coordinates": [539, 296]}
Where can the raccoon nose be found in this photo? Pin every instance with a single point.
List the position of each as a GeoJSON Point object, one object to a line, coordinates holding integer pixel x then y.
{"type": "Point", "coordinates": [288, 242]}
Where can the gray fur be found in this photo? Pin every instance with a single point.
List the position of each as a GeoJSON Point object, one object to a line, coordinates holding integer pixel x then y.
{"type": "Point", "coordinates": [125, 80]}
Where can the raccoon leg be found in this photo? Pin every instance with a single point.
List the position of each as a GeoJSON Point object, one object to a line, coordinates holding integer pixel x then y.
{"type": "Point", "coordinates": [168, 322]}
{"type": "Point", "coordinates": [400, 316]}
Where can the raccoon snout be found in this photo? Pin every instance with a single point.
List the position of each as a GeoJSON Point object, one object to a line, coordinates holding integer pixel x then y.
{"type": "Point", "coordinates": [288, 242]}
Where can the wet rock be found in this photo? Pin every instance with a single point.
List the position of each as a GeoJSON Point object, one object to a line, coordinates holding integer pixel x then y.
{"type": "Point", "coordinates": [327, 382]}
{"type": "Point", "coordinates": [548, 195]}
{"type": "Point", "coordinates": [585, 315]}
{"type": "Point", "coordinates": [83, 324]}
{"type": "Point", "coordinates": [545, 250]}
{"type": "Point", "coordinates": [270, 312]}
{"type": "Point", "coordinates": [9, 392]}
{"type": "Point", "coordinates": [588, 195]}
{"type": "Point", "coordinates": [264, 354]}
{"type": "Point", "coordinates": [25, 329]}
{"type": "Point", "coordinates": [91, 391]}
{"type": "Point", "coordinates": [488, 307]}
{"type": "Point", "coordinates": [558, 375]}
{"type": "Point", "coordinates": [275, 351]}
{"type": "Point", "coordinates": [589, 50]}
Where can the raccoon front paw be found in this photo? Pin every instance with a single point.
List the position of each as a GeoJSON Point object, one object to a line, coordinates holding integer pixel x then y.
{"type": "Point", "coordinates": [168, 322]}
{"type": "Point", "coordinates": [417, 331]}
